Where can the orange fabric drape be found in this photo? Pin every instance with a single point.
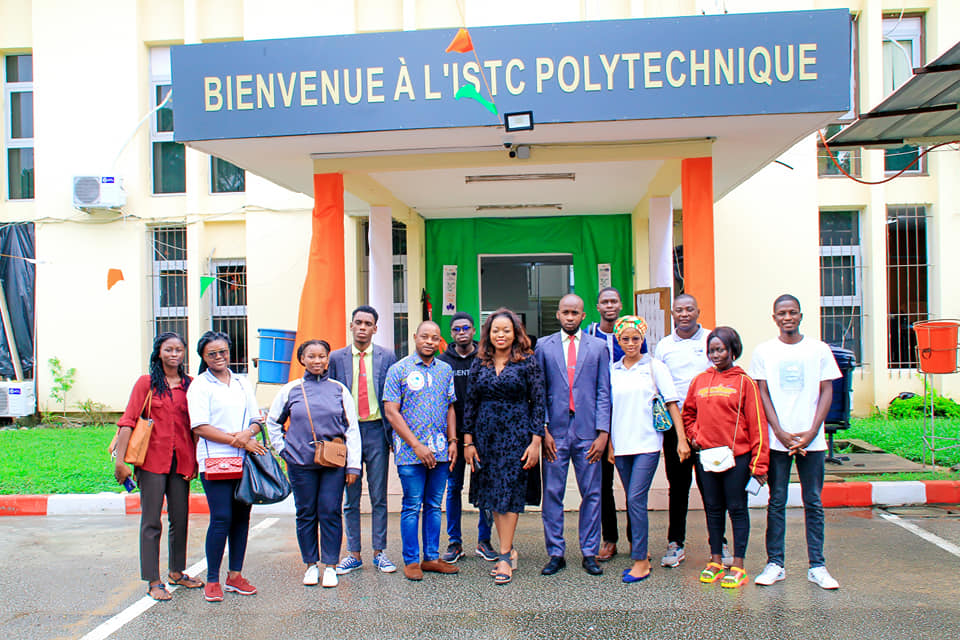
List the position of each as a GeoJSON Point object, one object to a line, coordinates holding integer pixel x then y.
{"type": "Point", "coordinates": [699, 278]}
{"type": "Point", "coordinates": [323, 306]}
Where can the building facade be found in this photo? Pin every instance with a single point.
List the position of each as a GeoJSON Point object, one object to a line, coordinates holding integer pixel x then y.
{"type": "Point", "coordinates": [865, 260]}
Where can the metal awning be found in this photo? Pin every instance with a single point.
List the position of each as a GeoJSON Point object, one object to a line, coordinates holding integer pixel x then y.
{"type": "Point", "coordinates": [924, 111]}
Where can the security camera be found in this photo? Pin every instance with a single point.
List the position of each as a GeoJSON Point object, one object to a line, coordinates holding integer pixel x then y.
{"type": "Point", "coordinates": [507, 143]}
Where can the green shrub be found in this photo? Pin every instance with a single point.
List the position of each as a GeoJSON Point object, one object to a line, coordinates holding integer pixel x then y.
{"type": "Point", "coordinates": [912, 407]}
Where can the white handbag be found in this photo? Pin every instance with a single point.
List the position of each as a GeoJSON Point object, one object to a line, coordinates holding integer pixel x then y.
{"type": "Point", "coordinates": [716, 459]}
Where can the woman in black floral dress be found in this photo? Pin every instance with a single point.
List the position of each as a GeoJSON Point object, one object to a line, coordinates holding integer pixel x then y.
{"type": "Point", "coordinates": [504, 414]}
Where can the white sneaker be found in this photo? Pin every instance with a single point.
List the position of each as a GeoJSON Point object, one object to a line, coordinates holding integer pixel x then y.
{"type": "Point", "coordinates": [822, 578]}
{"type": "Point", "coordinates": [330, 577]}
{"type": "Point", "coordinates": [312, 576]}
{"type": "Point", "coordinates": [771, 573]}
{"type": "Point", "coordinates": [726, 556]}
{"type": "Point", "coordinates": [675, 555]}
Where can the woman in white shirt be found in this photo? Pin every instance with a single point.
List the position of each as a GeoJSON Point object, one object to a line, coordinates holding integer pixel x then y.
{"type": "Point", "coordinates": [224, 418]}
{"type": "Point", "coordinates": [635, 444]}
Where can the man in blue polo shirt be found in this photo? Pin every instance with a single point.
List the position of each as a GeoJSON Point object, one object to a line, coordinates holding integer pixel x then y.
{"type": "Point", "coordinates": [418, 399]}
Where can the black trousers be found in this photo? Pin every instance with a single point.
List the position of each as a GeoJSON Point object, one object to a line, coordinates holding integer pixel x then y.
{"type": "Point", "coordinates": [726, 492]}
{"type": "Point", "coordinates": [153, 488]}
{"type": "Point", "coordinates": [679, 475]}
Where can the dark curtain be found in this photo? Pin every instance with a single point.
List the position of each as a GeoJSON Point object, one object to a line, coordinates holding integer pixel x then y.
{"type": "Point", "coordinates": [19, 279]}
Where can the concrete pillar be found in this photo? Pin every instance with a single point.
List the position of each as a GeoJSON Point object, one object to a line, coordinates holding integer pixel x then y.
{"type": "Point", "coordinates": [381, 273]}
{"type": "Point", "coordinates": [699, 277]}
{"type": "Point", "coordinates": [660, 237]}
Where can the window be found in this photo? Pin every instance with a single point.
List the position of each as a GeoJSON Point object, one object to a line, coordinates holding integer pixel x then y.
{"type": "Point", "coordinates": [169, 168]}
{"type": "Point", "coordinates": [401, 323]}
{"type": "Point", "coordinates": [907, 289]}
{"type": "Point", "coordinates": [18, 134]}
{"type": "Point", "coordinates": [902, 51]}
{"type": "Point", "coordinates": [841, 281]}
{"type": "Point", "coordinates": [229, 300]}
{"type": "Point", "coordinates": [169, 275]}
{"type": "Point", "coordinates": [849, 159]}
{"type": "Point", "coordinates": [226, 177]}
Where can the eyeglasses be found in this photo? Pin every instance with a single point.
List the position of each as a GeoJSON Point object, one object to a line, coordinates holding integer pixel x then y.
{"type": "Point", "coordinates": [629, 339]}
{"type": "Point", "coordinates": [223, 353]}
{"type": "Point", "coordinates": [461, 329]}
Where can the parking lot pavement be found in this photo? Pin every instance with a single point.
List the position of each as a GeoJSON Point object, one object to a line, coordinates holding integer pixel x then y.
{"type": "Point", "coordinates": [64, 577]}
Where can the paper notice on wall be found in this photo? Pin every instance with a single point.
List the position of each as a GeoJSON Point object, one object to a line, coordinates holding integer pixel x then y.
{"type": "Point", "coordinates": [603, 275]}
{"type": "Point", "coordinates": [649, 308]}
{"type": "Point", "coordinates": [449, 289]}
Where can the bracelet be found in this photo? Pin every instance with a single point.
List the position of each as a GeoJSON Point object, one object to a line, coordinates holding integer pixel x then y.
{"type": "Point", "coordinates": [467, 444]}
{"type": "Point", "coordinates": [453, 440]}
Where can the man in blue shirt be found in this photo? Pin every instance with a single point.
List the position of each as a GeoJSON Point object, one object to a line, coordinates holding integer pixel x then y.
{"type": "Point", "coordinates": [418, 399]}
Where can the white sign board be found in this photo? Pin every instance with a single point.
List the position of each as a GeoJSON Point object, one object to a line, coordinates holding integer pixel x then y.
{"type": "Point", "coordinates": [650, 307]}
{"type": "Point", "coordinates": [449, 289]}
{"type": "Point", "coordinates": [603, 276]}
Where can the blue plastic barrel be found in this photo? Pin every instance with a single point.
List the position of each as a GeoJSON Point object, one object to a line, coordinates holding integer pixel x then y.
{"type": "Point", "coordinates": [276, 351]}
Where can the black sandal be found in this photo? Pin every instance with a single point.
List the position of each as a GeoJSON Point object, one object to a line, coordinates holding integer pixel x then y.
{"type": "Point", "coordinates": [163, 588]}
{"type": "Point", "coordinates": [504, 578]}
{"type": "Point", "coordinates": [186, 581]}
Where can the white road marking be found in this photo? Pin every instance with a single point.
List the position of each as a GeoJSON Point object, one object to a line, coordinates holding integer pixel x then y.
{"type": "Point", "coordinates": [946, 545]}
{"type": "Point", "coordinates": [142, 605]}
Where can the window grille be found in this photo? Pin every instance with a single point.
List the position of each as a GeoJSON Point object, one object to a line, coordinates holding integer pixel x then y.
{"type": "Point", "coordinates": [907, 282]}
{"type": "Point", "coordinates": [169, 279]}
{"type": "Point", "coordinates": [841, 281]}
{"type": "Point", "coordinates": [229, 308]}
{"type": "Point", "coordinates": [401, 324]}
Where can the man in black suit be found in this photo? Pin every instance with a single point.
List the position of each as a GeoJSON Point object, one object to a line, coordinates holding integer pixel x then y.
{"type": "Point", "coordinates": [362, 367]}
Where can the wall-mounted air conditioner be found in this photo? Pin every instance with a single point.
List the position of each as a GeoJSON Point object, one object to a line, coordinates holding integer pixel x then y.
{"type": "Point", "coordinates": [98, 192]}
{"type": "Point", "coordinates": [17, 399]}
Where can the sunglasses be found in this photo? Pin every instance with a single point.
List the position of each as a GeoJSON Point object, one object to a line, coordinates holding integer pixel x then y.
{"type": "Point", "coordinates": [460, 329]}
{"type": "Point", "coordinates": [223, 353]}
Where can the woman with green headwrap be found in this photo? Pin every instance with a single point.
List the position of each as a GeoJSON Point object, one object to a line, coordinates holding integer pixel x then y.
{"type": "Point", "coordinates": [635, 379]}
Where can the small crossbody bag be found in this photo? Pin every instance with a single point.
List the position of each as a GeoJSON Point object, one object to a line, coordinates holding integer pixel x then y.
{"type": "Point", "coordinates": [326, 453]}
{"type": "Point", "coordinates": [661, 416]}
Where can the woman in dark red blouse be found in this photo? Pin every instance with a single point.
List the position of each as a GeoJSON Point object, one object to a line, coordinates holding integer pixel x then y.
{"type": "Point", "coordinates": [169, 466]}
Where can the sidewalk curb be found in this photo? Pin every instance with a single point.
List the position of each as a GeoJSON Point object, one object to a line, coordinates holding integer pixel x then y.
{"type": "Point", "coordinates": [835, 494]}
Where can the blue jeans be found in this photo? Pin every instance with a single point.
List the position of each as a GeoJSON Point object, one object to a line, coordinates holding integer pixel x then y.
{"type": "Point", "coordinates": [317, 494]}
{"type": "Point", "coordinates": [422, 490]}
{"type": "Point", "coordinates": [810, 470]}
{"type": "Point", "coordinates": [455, 507]}
{"type": "Point", "coordinates": [229, 520]}
{"type": "Point", "coordinates": [375, 453]}
{"type": "Point", "coordinates": [636, 474]}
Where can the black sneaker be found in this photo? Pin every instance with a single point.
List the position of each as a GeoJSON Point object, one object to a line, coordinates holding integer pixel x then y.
{"type": "Point", "coordinates": [454, 552]}
{"type": "Point", "coordinates": [485, 551]}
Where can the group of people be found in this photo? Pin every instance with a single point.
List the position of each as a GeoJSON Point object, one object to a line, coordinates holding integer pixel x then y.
{"type": "Point", "coordinates": [518, 417]}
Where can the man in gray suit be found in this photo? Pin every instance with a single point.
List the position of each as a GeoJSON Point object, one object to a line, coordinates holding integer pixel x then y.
{"type": "Point", "coordinates": [577, 374]}
{"type": "Point", "coordinates": [362, 367]}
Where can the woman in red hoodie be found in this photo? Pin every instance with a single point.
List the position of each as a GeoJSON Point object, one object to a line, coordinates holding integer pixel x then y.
{"type": "Point", "coordinates": [724, 420]}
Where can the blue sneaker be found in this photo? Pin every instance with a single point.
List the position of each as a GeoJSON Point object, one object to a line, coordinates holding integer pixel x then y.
{"type": "Point", "coordinates": [382, 562]}
{"type": "Point", "coordinates": [348, 564]}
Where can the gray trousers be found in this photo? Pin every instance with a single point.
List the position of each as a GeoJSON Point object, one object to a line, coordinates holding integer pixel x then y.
{"type": "Point", "coordinates": [153, 488]}
{"type": "Point", "coordinates": [376, 457]}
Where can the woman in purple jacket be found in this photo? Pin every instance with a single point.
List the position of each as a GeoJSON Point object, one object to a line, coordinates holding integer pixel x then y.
{"type": "Point", "coordinates": [318, 408]}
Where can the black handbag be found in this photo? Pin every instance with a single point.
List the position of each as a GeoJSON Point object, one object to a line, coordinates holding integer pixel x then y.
{"type": "Point", "coordinates": [263, 480]}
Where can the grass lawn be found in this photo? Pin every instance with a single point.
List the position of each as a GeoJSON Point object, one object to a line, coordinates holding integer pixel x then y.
{"type": "Point", "coordinates": [903, 437]}
{"type": "Point", "coordinates": [52, 460]}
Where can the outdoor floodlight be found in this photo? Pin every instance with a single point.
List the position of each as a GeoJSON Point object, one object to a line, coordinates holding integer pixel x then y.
{"type": "Point", "coordinates": [519, 121]}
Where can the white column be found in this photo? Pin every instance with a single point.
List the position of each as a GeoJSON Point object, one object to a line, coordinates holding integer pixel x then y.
{"type": "Point", "coordinates": [381, 273]}
{"type": "Point", "coordinates": [661, 242]}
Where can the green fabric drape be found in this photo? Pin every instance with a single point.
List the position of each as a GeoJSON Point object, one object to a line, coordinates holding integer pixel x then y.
{"type": "Point", "coordinates": [592, 240]}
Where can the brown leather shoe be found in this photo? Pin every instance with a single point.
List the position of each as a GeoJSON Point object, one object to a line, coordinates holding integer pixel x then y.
{"type": "Point", "coordinates": [439, 566]}
{"type": "Point", "coordinates": [413, 571]}
{"type": "Point", "coordinates": [607, 551]}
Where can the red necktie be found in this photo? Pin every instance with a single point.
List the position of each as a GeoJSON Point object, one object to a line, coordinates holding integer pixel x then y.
{"type": "Point", "coordinates": [571, 367]}
{"type": "Point", "coordinates": [363, 401]}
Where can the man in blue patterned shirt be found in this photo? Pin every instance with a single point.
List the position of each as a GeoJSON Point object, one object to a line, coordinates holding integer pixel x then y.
{"type": "Point", "coordinates": [418, 401]}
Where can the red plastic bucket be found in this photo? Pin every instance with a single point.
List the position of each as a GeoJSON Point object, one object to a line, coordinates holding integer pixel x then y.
{"type": "Point", "coordinates": [937, 345]}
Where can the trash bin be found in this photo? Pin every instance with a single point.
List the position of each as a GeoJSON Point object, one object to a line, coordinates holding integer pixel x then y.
{"type": "Point", "coordinates": [839, 415]}
{"type": "Point", "coordinates": [276, 351]}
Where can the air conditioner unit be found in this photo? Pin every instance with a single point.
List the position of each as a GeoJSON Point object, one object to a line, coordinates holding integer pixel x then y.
{"type": "Point", "coordinates": [17, 399]}
{"type": "Point", "coordinates": [98, 192]}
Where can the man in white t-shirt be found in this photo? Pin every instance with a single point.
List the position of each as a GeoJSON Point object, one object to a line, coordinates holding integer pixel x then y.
{"type": "Point", "coordinates": [795, 374]}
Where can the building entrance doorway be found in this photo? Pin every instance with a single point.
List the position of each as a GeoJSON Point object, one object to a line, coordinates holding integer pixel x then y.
{"type": "Point", "coordinates": [530, 285]}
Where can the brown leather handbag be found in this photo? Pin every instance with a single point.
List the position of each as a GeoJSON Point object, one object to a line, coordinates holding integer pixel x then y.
{"type": "Point", "coordinates": [327, 453]}
{"type": "Point", "coordinates": [140, 438]}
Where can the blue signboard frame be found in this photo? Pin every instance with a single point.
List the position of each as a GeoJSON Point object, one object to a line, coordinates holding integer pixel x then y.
{"type": "Point", "coordinates": [697, 66]}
